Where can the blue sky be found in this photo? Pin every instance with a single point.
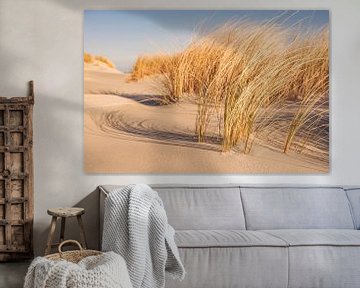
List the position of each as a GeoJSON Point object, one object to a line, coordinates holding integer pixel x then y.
{"type": "Point", "coordinates": [124, 35]}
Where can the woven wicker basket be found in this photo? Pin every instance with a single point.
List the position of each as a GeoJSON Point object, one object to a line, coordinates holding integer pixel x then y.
{"type": "Point", "coordinates": [72, 256]}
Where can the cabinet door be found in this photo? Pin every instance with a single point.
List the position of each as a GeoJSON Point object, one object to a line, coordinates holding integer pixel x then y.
{"type": "Point", "coordinates": [15, 187]}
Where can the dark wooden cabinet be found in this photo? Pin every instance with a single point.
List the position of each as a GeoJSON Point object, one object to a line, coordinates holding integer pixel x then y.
{"type": "Point", "coordinates": [16, 177]}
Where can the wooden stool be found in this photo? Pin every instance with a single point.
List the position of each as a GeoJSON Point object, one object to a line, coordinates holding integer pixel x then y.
{"type": "Point", "coordinates": [64, 213]}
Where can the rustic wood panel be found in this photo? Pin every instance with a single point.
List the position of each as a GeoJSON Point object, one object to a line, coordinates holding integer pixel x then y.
{"type": "Point", "coordinates": [2, 189]}
{"type": "Point", "coordinates": [2, 117]}
{"type": "Point", "coordinates": [16, 177]}
{"type": "Point", "coordinates": [2, 162]}
{"type": "Point", "coordinates": [2, 139]}
{"type": "Point", "coordinates": [2, 212]}
{"type": "Point", "coordinates": [17, 162]}
{"type": "Point", "coordinates": [17, 188]}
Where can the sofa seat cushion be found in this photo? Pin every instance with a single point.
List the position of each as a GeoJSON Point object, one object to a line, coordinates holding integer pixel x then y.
{"type": "Point", "coordinates": [317, 237]}
{"type": "Point", "coordinates": [236, 267]}
{"type": "Point", "coordinates": [226, 238]}
{"type": "Point", "coordinates": [322, 258]}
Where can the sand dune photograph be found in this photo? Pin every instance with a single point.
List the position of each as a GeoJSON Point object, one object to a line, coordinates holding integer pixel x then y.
{"type": "Point", "coordinates": [177, 91]}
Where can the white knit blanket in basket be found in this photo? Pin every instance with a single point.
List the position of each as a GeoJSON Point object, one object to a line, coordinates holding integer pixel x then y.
{"type": "Point", "coordinates": [107, 270]}
{"type": "Point", "coordinates": [136, 227]}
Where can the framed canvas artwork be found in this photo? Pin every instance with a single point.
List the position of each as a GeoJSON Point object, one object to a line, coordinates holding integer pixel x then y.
{"type": "Point", "coordinates": [224, 91]}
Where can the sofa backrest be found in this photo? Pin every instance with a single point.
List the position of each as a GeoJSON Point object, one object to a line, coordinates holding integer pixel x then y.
{"type": "Point", "coordinates": [202, 207]}
{"type": "Point", "coordinates": [354, 198]}
{"type": "Point", "coordinates": [205, 207]}
{"type": "Point", "coordinates": [296, 208]}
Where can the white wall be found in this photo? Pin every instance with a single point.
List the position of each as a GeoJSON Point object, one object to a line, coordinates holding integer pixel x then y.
{"type": "Point", "coordinates": [42, 40]}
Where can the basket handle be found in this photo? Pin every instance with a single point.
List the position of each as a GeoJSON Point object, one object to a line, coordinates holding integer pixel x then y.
{"type": "Point", "coordinates": [69, 241]}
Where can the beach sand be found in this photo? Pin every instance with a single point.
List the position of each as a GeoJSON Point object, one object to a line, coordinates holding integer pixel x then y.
{"type": "Point", "coordinates": [126, 132]}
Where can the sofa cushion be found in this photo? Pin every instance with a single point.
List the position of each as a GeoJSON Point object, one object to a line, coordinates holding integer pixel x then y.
{"type": "Point", "coordinates": [315, 237]}
{"type": "Point", "coordinates": [199, 207]}
{"type": "Point", "coordinates": [192, 208]}
{"type": "Point", "coordinates": [324, 266]}
{"type": "Point", "coordinates": [354, 198]}
{"type": "Point", "coordinates": [226, 238]}
{"type": "Point", "coordinates": [322, 258]}
{"type": "Point", "coordinates": [218, 267]}
{"type": "Point", "coordinates": [296, 208]}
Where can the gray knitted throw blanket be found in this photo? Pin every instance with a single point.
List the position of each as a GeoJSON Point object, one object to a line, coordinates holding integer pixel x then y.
{"type": "Point", "coordinates": [136, 227]}
{"type": "Point", "coordinates": [102, 271]}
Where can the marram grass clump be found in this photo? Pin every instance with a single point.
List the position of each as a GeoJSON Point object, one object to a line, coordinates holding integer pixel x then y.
{"type": "Point", "coordinates": [255, 78]}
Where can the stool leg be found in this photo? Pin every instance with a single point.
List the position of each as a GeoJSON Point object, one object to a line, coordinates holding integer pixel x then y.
{"type": "Point", "coordinates": [62, 230]}
{"type": "Point", "coordinates": [82, 232]}
{"type": "Point", "coordinates": [51, 235]}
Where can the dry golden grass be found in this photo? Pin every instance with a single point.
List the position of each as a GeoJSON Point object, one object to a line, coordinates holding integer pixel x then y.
{"type": "Point", "coordinates": [245, 73]}
{"type": "Point", "coordinates": [88, 58]}
{"type": "Point", "coordinates": [98, 60]}
{"type": "Point", "coordinates": [147, 65]}
{"type": "Point", "coordinates": [310, 83]}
